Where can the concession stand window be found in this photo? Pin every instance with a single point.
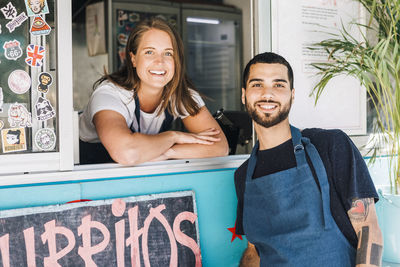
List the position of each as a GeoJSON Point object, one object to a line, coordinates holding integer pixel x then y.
{"type": "Point", "coordinates": [35, 86]}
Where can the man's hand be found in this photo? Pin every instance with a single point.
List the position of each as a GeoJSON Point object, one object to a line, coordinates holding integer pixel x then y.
{"type": "Point", "coordinates": [250, 257]}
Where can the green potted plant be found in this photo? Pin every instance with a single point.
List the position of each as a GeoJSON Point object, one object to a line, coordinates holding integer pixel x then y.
{"type": "Point", "coordinates": [376, 64]}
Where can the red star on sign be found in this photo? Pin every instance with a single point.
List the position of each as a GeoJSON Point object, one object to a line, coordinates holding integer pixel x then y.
{"type": "Point", "coordinates": [234, 235]}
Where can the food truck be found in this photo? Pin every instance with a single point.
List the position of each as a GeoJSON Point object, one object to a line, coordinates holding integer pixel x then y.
{"type": "Point", "coordinates": [57, 212]}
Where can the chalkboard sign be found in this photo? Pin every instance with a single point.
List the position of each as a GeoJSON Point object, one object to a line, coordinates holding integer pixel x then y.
{"type": "Point", "coordinates": [151, 230]}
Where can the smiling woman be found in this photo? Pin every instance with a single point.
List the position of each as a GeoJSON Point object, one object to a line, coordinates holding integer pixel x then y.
{"type": "Point", "coordinates": [154, 61]}
{"type": "Point", "coordinates": [128, 117]}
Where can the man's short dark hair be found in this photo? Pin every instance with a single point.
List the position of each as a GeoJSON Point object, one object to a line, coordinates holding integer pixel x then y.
{"type": "Point", "coordinates": [269, 58]}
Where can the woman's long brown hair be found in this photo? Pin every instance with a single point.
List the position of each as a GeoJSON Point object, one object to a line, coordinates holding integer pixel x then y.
{"type": "Point", "coordinates": [176, 94]}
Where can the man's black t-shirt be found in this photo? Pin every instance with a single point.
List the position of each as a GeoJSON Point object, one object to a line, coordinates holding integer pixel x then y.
{"type": "Point", "coordinates": [347, 173]}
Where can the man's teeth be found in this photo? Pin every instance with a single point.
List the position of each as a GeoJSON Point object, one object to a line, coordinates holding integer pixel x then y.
{"type": "Point", "coordinates": [158, 72]}
{"type": "Point", "coordinates": [267, 106]}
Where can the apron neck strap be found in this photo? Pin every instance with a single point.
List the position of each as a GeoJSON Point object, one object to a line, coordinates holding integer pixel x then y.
{"type": "Point", "coordinates": [298, 151]}
{"type": "Point", "coordinates": [137, 112]}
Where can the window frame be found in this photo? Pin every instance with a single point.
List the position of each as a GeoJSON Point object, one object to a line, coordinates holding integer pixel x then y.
{"type": "Point", "coordinates": [63, 159]}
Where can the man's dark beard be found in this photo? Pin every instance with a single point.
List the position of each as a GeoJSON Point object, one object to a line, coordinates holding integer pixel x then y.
{"type": "Point", "coordinates": [283, 114]}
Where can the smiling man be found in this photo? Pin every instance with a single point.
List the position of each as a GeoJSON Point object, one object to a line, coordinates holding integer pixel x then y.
{"type": "Point", "coordinates": [305, 198]}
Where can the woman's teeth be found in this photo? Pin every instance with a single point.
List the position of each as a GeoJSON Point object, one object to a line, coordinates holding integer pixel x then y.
{"type": "Point", "coordinates": [158, 72]}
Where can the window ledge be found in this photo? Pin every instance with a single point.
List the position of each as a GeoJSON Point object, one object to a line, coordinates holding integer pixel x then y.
{"type": "Point", "coordinates": [113, 170]}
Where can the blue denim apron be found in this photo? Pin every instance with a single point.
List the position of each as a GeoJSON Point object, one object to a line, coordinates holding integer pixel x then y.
{"type": "Point", "coordinates": [288, 218]}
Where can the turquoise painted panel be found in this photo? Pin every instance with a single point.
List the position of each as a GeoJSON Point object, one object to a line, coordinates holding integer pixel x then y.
{"type": "Point", "coordinates": [216, 207]}
{"type": "Point", "coordinates": [388, 211]}
{"type": "Point", "coordinates": [30, 196]}
{"type": "Point", "coordinates": [380, 171]}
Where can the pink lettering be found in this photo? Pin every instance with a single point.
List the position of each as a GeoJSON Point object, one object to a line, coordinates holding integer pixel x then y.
{"type": "Point", "coordinates": [49, 236]}
{"type": "Point", "coordinates": [135, 233]}
{"type": "Point", "coordinates": [184, 239]}
{"type": "Point", "coordinates": [5, 250]}
{"type": "Point", "coordinates": [30, 246]}
{"type": "Point", "coordinates": [120, 242]}
{"type": "Point", "coordinates": [87, 250]}
{"type": "Point", "coordinates": [118, 209]}
{"type": "Point", "coordinates": [156, 213]}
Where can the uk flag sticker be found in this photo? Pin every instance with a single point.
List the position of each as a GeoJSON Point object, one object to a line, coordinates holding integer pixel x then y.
{"type": "Point", "coordinates": [35, 55]}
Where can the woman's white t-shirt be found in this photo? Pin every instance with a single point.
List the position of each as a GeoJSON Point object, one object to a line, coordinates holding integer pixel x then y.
{"type": "Point", "coordinates": [109, 96]}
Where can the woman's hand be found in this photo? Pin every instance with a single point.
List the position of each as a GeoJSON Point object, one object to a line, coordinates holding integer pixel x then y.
{"type": "Point", "coordinates": [206, 137]}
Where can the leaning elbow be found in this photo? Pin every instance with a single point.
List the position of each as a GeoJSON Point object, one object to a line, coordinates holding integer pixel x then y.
{"type": "Point", "coordinates": [224, 150]}
{"type": "Point", "coordinates": [127, 157]}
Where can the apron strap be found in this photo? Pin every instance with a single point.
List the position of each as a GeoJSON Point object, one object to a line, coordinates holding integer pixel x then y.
{"type": "Point", "coordinates": [167, 123]}
{"type": "Point", "coordinates": [137, 113]}
{"type": "Point", "coordinates": [252, 162]}
{"type": "Point", "coordinates": [298, 146]}
{"type": "Point", "coordinates": [322, 179]}
{"type": "Point", "coordinates": [299, 143]}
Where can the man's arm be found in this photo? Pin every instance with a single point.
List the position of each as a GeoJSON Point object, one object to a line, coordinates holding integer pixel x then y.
{"type": "Point", "coordinates": [365, 223]}
{"type": "Point", "coordinates": [250, 257]}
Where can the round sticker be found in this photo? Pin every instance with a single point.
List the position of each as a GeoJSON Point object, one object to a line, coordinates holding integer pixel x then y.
{"type": "Point", "coordinates": [45, 139]}
{"type": "Point", "coordinates": [122, 39]}
{"type": "Point", "coordinates": [133, 17]}
{"type": "Point", "coordinates": [19, 81]}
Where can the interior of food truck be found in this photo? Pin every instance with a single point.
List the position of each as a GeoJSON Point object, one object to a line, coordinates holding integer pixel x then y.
{"type": "Point", "coordinates": [214, 42]}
